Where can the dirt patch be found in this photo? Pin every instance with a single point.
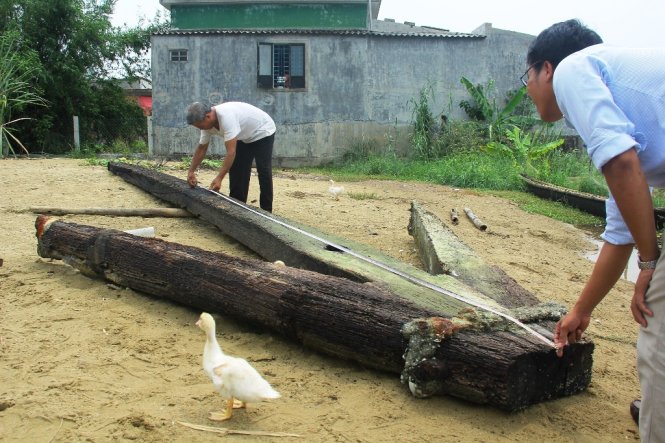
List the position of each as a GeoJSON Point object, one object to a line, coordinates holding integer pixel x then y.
{"type": "Point", "coordinates": [85, 360]}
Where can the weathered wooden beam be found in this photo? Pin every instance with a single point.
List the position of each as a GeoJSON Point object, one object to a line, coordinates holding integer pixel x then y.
{"type": "Point", "coordinates": [472, 357]}
{"type": "Point", "coordinates": [442, 252]}
{"type": "Point", "coordinates": [115, 212]}
{"type": "Point", "coordinates": [269, 236]}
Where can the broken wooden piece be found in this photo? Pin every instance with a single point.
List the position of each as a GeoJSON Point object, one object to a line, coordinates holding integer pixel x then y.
{"type": "Point", "coordinates": [116, 212]}
{"type": "Point", "coordinates": [454, 217]}
{"type": "Point", "coordinates": [442, 252]}
{"type": "Point", "coordinates": [475, 220]}
{"type": "Point", "coordinates": [483, 358]}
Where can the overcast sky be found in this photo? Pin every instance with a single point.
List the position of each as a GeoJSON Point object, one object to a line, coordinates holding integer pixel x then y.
{"type": "Point", "coordinates": [626, 23]}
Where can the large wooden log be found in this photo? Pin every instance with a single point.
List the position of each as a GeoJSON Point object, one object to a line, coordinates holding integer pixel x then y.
{"type": "Point", "coordinates": [476, 358]}
{"type": "Point", "coordinates": [270, 237]}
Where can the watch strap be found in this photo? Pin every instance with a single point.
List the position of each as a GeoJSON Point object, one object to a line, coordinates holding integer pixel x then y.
{"type": "Point", "coordinates": [651, 264]}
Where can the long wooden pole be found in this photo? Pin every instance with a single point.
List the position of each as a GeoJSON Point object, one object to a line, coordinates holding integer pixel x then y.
{"type": "Point", "coordinates": [116, 212]}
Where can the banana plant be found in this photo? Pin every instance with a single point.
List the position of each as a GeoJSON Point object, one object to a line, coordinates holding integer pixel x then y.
{"type": "Point", "coordinates": [522, 149]}
{"type": "Point", "coordinates": [487, 110]}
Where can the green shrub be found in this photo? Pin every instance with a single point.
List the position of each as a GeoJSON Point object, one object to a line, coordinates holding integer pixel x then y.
{"type": "Point", "coordinates": [361, 149]}
{"type": "Point", "coordinates": [592, 185]}
{"type": "Point", "coordinates": [459, 136]}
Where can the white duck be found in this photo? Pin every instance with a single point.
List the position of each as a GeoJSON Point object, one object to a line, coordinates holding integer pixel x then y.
{"type": "Point", "coordinates": [235, 379]}
{"type": "Point", "coordinates": [335, 190]}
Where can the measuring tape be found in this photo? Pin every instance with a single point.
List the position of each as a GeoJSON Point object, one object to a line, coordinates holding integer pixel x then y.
{"type": "Point", "coordinates": [392, 270]}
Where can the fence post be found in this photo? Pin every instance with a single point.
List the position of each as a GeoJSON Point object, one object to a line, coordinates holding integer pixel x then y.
{"type": "Point", "coordinates": [151, 148]}
{"type": "Point", "coordinates": [77, 139]}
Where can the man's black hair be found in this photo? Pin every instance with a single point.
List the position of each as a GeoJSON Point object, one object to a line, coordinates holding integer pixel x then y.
{"type": "Point", "coordinates": [559, 41]}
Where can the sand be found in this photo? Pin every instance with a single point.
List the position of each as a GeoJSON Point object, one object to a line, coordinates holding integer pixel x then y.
{"type": "Point", "coordinates": [82, 360]}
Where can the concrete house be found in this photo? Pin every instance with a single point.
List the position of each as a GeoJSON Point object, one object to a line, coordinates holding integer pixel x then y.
{"type": "Point", "coordinates": [328, 71]}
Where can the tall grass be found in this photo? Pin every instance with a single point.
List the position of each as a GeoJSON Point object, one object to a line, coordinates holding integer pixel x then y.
{"type": "Point", "coordinates": [423, 125]}
{"type": "Point", "coordinates": [16, 90]}
{"type": "Point", "coordinates": [118, 147]}
{"type": "Point", "coordinates": [465, 169]}
{"type": "Point", "coordinates": [574, 170]}
{"type": "Point", "coordinates": [473, 169]}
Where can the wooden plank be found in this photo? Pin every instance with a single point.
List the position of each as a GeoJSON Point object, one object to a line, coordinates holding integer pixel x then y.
{"type": "Point", "coordinates": [475, 358]}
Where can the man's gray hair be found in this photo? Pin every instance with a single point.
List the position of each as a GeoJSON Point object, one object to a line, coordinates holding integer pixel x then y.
{"type": "Point", "coordinates": [196, 112]}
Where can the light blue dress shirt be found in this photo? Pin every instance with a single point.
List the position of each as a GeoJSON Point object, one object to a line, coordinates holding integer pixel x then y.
{"type": "Point", "coordinates": [615, 99]}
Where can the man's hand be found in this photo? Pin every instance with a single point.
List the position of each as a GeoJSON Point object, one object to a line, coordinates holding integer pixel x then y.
{"type": "Point", "coordinates": [569, 330]}
{"type": "Point", "coordinates": [191, 179]}
{"type": "Point", "coordinates": [638, 305]}
{"type": "Point", "coordinates": [216, 183]}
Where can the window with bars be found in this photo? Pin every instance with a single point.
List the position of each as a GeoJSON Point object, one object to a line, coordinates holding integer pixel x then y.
{"type": "Point", "coordinates": [178, 55]}
{"type": "Point", "coordinates": [281, 66]}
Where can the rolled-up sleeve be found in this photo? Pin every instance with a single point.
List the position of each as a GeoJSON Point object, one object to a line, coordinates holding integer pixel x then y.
{"type": "Point", "coordinates": [204, 139]}
{"type": "Point", "coordinates": [587, 103]}
{"type": "Point", "coordinates": [616, 231]}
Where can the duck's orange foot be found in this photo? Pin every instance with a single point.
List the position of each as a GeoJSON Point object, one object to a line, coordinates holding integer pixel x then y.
{"type": "Point", "coordinates": [237, 404]}
{"type": "Point", "coordinates": [220, 416]}
{"type": "Point", "coordinates": [225, 414]}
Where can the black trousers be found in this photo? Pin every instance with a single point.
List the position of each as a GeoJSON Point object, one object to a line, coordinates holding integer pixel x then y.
{"type": "Point", "coordinates": [241, 170]}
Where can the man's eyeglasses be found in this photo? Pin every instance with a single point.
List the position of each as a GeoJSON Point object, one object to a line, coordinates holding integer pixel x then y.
{"type": "Point", "coordinates": [525, 77]}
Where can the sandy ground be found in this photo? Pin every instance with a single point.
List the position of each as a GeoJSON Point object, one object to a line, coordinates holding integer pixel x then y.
{"type": "Point", "coordinates": [84, 361]}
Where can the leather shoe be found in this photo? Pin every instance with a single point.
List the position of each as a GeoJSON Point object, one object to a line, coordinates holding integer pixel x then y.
{"type": "Point", "coordinates": [635, 410]}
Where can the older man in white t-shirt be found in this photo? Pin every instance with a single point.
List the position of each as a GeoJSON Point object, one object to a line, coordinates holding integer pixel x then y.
{"type": "Point", "coordinates": [248, 134]}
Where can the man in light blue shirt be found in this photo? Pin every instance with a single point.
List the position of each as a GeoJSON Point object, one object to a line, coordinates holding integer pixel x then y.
{"type": "Point", "coordinates": [615, 99]}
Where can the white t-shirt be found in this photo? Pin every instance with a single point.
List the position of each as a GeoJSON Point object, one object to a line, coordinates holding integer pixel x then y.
{"type": "Point", "coordinates": [239, 120]}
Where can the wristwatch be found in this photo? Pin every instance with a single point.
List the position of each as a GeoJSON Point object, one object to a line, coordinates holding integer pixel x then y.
{"type": "Point", "coordinates": [646, 264]}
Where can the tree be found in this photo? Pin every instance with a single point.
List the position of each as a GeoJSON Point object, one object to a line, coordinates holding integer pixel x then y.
{"type": "Point", "coordinates": [79, 53]}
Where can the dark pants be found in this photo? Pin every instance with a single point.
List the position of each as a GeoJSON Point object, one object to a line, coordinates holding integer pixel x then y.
{"type": "Point", "coordinates": [241, 170]}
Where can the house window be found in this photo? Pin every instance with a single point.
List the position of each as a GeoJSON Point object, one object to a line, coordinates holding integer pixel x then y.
{"type": "Point", "coordinates": [178, 55]}
{"type": "Point", "coordinates": [281, 66]}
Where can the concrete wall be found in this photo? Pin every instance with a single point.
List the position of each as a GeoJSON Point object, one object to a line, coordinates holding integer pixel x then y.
{"type": "Point", "coordinates": [360, 86]}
